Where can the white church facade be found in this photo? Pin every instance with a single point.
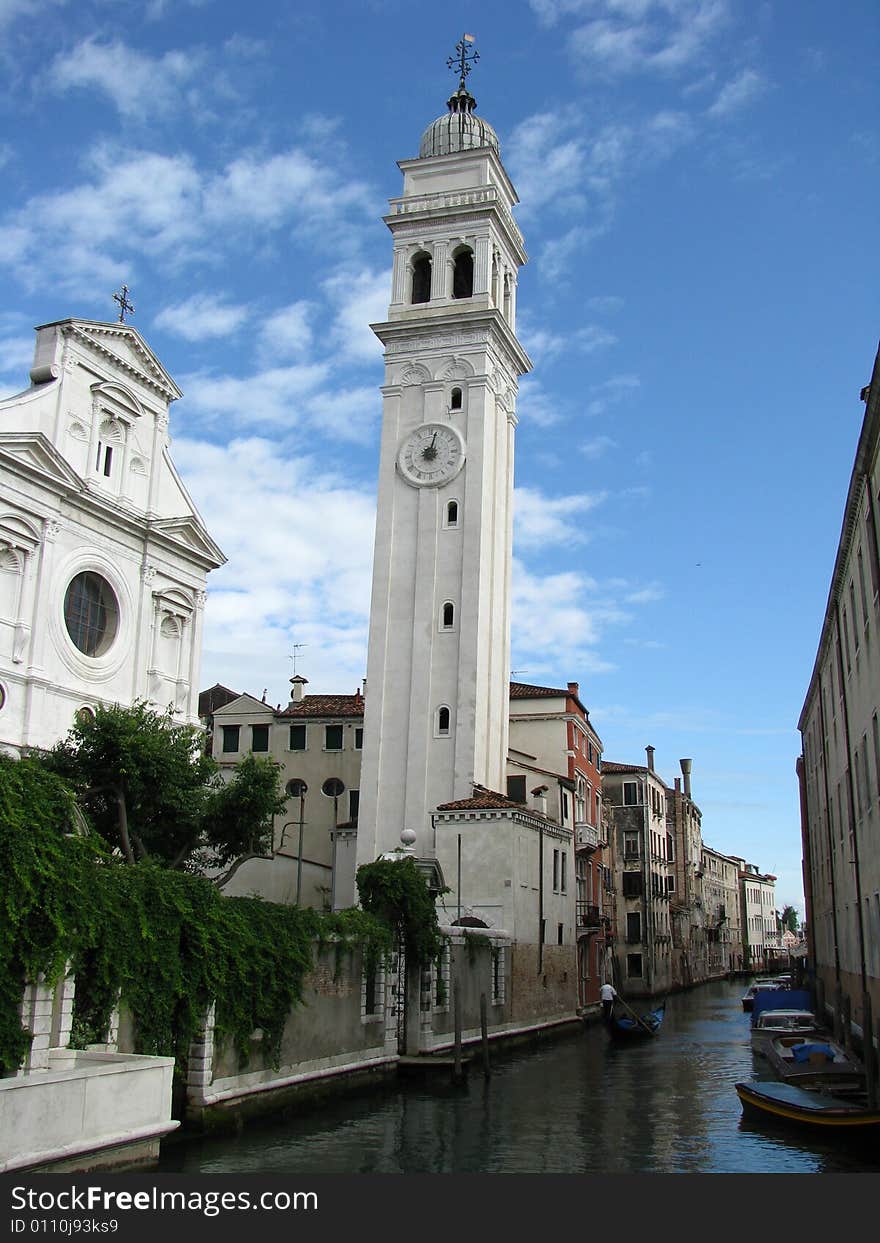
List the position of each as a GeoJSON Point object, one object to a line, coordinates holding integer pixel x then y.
{"type": "Point", "coordinates": [103, 556]}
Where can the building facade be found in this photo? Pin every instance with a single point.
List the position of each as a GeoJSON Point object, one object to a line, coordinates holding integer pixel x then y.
{"type": "Point", "coordinates": [103, 556]}
{"type": "Point", "coordinates": [635, 799]}
{"type": "Point", "coordinates": [317, 741]}
{"type": "Point", "coordinates": [553, 739]}
{"type": "Point", "coordinates": [839, 767]}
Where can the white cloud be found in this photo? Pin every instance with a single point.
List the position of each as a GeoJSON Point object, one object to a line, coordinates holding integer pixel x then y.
{"type": "Point", "coordinates": [273, 396]}
{"type": "Point", "coordinates": [611, 392]}
{"type": "Point", "coordinates": [535, 405]}
{"type": "Point", "coordinates": [632, 36]}
{"type": "Point", "coordinates": [597, 446]}
{"type": "Point", "coordinates": [558, 621]}
{"type": "Point", "coordinates": [93, 230]}
{"type": "Point", "coordinates": [11, 10]}
{"type": "Point", "coordinates": [139, 85]}
{"type": "Point", "coordinates": [738, 93]}
{"type": "Point", "coordinates": [540, 521]}
{"type": "Point", "coordinates": [16, 357]}
{"type": "Point", "coordinates": [202, 315]}
{"type": "Point", "coordinates": [299, 544]}
{"type": "Point", "coordinates": [361, 298]}
{"type": "Point", "coordinates": [287, 333]}
{"type": "Point", "coordinates": [605, 304]}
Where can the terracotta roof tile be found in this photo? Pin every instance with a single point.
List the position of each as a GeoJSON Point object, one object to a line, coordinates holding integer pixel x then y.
{"type": "Point", "coordinates": [482, 800]}
{"type": "Point", "coordinates": [326, 705]}
{"type": "Point", "coordinates": [522, 690]}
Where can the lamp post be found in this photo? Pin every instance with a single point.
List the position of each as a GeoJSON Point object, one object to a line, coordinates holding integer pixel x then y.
{"type": "Point", "coordinates": [298, 789]}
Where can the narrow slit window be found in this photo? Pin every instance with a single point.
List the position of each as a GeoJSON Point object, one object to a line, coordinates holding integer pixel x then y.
{"type": "Point", "coordinates": [455, 399]}
{"type": "Point", "coordinates": [452, 514]}
{"type": "Point", "coordinates": [448, 616]}
{"type": "Point", "coordinates": [108, 458]}
{"type": "Point", "coordinates": [443, 721]}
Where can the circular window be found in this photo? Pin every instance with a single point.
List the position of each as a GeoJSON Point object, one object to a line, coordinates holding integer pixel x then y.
{"type": "Point", "coordinates": [91, 613]}
{"type": "Point", "coordinates": [85, 714]}
{"type": "Point", "coordinates": [297, 788]}
{"type": "Point", "coordinates": [333, 787]}
{"type": "Point", "coordinates": [2, 696]}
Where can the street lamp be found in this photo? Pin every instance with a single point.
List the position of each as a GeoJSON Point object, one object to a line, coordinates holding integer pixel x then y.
{"type": "Point", "coordinates": [298, 789]}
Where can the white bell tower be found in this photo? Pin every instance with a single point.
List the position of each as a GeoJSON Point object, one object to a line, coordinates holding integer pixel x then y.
{"type": "Point", "coordinates": [438, 666]}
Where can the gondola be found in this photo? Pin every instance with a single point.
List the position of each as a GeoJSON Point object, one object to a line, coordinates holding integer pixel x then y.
{"type": "Point", "coordinates": [632, 1027]}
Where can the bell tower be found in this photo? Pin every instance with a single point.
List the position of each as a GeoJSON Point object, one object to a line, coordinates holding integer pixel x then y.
{"type": "Point", "coordinates": [438, 665]}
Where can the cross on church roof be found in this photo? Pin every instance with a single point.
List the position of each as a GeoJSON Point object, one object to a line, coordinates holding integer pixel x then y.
{"type": "Point", "coordinates": [124, 304]}
{"type": "Point", "coordinates": [460, 62]}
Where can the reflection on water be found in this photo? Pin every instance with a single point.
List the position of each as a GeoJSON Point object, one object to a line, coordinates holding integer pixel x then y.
{"type": "Point", "coordinates": [578, 1105]}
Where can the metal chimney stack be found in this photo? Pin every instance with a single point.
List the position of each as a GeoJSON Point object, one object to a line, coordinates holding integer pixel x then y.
{"type": "Point", "coordinates": [686, 773]}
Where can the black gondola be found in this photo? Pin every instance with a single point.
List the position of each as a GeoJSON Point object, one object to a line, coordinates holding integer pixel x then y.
{"type": "Point", "coordinates": [635, 1027]}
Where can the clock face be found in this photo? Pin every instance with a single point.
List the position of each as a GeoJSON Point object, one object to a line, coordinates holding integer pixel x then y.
{"type": "Point", "coordinates": [431, 455]}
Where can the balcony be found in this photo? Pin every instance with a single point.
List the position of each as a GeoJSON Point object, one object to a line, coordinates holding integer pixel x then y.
{"type": "Point", "coordinates": [588, 916]}
{"type": "Point", "coordinates": [586, 836]}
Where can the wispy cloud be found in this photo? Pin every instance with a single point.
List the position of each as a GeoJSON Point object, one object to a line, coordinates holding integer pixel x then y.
{"type": "Point", "coordinates": [92, 230]}
{"type": "Point", "coordinates": [299, 574]}
{"type": "Point", "coordinates": [596, 447]}
{"type": "Point", "coordinates": [202, 315]}
{"type": "Point", "coordinates": [542, 521]}
{"type": "Point", "coordinates": [138, 85]}
{"type": "Point", "coordinates": [739, 93]}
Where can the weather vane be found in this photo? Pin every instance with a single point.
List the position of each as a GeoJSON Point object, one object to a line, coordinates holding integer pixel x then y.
{"type": "Point", "coordinates": [462, 63]}
{"type": "Point", "coordinates": [124, 304]}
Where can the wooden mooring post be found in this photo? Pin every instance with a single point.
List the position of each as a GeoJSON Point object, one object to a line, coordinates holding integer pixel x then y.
{"type": "Point", "coordinates": [484, 1033]}
{"type": "Point", "coordinates": [456, 1018]}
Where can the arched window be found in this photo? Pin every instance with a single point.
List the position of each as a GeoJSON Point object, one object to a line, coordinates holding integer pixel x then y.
{"type": "Point", "coordinates": [463, 274]}
{"type": "Point", "coordinates": [421, 278]}
{"type": "Point", "coordinates": [455, 399]}
{"type": "Point", "coordinates": [448, 615]}
{"type": "Point", "coordinates": [443, 721]}
{"type": "Point", "coordinates": [452, 513]}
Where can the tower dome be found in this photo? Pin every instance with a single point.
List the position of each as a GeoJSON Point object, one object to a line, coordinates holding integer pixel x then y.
{"type": "Point", "coordinates": [458, 129]}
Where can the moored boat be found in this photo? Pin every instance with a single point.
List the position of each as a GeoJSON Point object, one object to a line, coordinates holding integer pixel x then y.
{"type": "Point", "coordinates": [813, 1061]}
{"type": "Point", "coordinates": [633, 1027]}
{"type": "Point", "coordinates": [757, 986]}
{"type": "Point", "coordinates": [771, 1024]}
{"type": "Point", "coordinates": [787, 1103]}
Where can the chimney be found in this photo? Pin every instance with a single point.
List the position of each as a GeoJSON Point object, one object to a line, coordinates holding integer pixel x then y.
{"type": "Point", "coordinates": [539, 799]}
{"type": "Point", "coordinates": [650, 752]}
{"type": "Point", "coordinates": [678, 785]}
{"type": "Point", "coordinates": [686, 773]}
{"type": "Point", "coordinates": [574, 688]}
{"type": "Point", "coordinates": [296, 688]}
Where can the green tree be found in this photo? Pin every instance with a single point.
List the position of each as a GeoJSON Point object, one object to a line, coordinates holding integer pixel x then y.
{"type": "Point", "coordinates": [148, 788]}
{"type": "Point", "coordinates": [789, 918]}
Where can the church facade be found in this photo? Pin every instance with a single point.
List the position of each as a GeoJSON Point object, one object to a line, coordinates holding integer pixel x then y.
{"type": "Point", "coordinates": [103, 555]}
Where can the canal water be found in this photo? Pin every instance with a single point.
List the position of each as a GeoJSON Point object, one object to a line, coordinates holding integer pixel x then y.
{"type": "Point", "coordinates": [579, 1105]}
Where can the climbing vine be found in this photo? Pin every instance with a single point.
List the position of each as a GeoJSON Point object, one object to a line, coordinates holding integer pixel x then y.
{"type": "Point", "coordinates": [165, 943]}
{"type": "Point", "coordinates": [397, 894]}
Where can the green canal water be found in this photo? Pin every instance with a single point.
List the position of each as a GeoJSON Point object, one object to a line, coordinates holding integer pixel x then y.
{"type": "Point", "coordinates": [579, 1105]}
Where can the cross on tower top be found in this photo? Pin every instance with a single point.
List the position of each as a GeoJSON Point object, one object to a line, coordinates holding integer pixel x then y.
{"type": "Point", "coordinates": [462, 63]}
{"type": "Point", "coordinates": [124, 304]}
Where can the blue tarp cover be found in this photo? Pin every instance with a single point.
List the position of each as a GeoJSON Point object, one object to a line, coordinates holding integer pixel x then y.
{"type": "Point", "coordinates": [780, 999]}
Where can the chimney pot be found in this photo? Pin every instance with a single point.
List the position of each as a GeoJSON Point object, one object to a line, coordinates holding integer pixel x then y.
{"type": "Point", "coordinates": [573, 688]}
{"type": "Point", "coordinates": [650, 753]}
{"type": "Point", "coordinates": [686, 773]}
{"type": "Point", "coordinates": [297, 682]}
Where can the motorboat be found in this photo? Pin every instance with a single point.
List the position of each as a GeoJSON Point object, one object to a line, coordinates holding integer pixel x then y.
{"type": "Point", "coordinates": [770, 1024]}
{"type": "Point", "coordinates": [813, 1061]}
{"type": "Point", "coordinates": [787, 1103]}
{"type": "Point", "coordinates": [757, 986]}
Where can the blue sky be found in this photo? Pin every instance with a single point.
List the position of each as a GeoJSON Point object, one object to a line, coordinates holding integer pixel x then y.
{"type": "Point", "coordinates": [699, 188]}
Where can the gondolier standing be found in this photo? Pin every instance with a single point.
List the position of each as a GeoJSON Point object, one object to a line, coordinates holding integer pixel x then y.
{"type": "Point", "coordinates": [608, 996]}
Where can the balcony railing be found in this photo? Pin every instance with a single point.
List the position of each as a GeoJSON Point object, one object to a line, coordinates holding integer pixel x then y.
{"type": "Point", "coordinates": [586, 835]}
{"type": "Point", "coordinates": [588, 915]}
